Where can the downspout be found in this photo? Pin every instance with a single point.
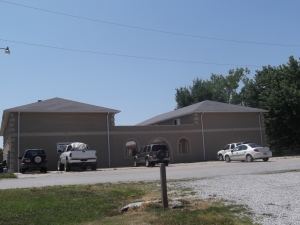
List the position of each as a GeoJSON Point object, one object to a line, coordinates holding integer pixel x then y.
{"type": "Point", "coordinates": [18, 141]}
{"type": "Point", "coordinates": [261, 139]}
{"type": "Point", "coordinates": [108, 142]}
{"type": "Point", "coordinates": [203, 137]}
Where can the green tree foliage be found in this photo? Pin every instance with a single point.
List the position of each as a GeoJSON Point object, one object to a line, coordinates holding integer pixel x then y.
{"type": "Point", "coordinates": [277, 89]}
{"type": "Point", "coordinates": [218, 88]}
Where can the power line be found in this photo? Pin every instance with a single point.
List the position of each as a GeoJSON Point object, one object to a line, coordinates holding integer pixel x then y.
{"type": "Point", "coordinates": [127, 56]}
{"type": "Point", "coordinates": [152, 30]}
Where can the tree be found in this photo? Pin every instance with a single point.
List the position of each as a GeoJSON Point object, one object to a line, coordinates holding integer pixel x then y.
{"type": "Point", "coordinates": [277, 89]}
{"type": "Point", "coordinates": [218, 88]}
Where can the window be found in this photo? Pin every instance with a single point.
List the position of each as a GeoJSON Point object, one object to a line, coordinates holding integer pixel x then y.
{"type": "Point", "coordinates": [176, 122]}
{"type": "Point", "coordinates": [183, 146]}
{"type": "Point", "coordinates": [130, 148]}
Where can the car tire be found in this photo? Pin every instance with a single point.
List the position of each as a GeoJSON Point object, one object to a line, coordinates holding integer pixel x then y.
{"type": "Point", "coordinates": [83, 168]}
{"type": "Point", "coordinates": [60, 166]}
{"type": "Point", "coordinates": [22, 170]}
{"type": "Point", "coordinates": [166, 163]}
{"type": "Point", "coordinates": [249, 158]}
{"type": "Point", "coordinates": [227, 158]}
{"type": "Point", "coordinates": [221, 157]}
{"type": "Point", "coordinates": [147, 163]}
{"type": "Point", "coordinates": [161, 154]}
{"type": "Point", "coordinates": [266, 159]}
{"type": "Point", "coordinates": [37, 159]}
{"type": "Point", "coordinates": [135, 163]}
{"type": "Point", "coordinates": [67, 167]}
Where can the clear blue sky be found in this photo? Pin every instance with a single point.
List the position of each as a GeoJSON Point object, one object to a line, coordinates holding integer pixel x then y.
{"type": "Point", "coordinates": [140, 88]}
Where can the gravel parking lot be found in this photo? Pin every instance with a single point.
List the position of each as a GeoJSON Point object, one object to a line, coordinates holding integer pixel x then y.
{"type": "Point", "coordinates": [273, 197]}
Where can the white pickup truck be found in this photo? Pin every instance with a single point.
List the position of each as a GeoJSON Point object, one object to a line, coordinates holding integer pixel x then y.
{"type": "Point", "coordinates": [77, 154]}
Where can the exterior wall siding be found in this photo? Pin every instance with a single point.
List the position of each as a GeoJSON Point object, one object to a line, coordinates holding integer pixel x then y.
{"type": "Point", "coordinates": [45, 130]}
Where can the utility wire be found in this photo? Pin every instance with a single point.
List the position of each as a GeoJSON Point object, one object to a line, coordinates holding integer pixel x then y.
{"type": "Point", "coordinates": [149, 29]}
{"type": "Point", "coordinates": [127, 56]}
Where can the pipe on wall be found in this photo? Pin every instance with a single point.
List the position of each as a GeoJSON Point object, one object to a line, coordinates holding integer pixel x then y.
{"type": "Point", "coordinates": [18, 141]}
{"type": "Point", "coordinates": [203, 137]}
{"type": "Point", "coordinates": [261, 138]}
{"type": "Point", "coordinates": [108, 142]}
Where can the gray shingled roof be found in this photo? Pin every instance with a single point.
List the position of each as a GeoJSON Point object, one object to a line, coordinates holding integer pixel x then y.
{"type": "Point", "coordinates": [201, 107]}
{"type": "Point", "coordinates": [55, 105]}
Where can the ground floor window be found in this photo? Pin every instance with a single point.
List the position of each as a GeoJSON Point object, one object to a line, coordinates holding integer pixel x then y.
{"type": "Point", "coordinates": [130, 149]}
{"type": "Point", "coordinates": [183, 146]}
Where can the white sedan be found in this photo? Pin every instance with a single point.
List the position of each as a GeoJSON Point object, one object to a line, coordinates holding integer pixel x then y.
{"type": "Point", "coordinates": [248, 152]}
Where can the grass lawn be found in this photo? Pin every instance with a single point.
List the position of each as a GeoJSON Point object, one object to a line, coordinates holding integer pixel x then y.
{"type": "Point", "coordinates": [6, 176]}
{"type": "Point", "coordinates": [102, 203]}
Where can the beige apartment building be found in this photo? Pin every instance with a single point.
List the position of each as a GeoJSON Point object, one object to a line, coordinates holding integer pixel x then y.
{"type": "Point", "coordinates": [192, 134]}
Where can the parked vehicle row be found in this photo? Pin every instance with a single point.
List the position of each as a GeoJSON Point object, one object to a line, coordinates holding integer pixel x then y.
{"type": "Point", "coordinates": [75, 154]}
{"type": "Point", "coordinates": [248, 152]}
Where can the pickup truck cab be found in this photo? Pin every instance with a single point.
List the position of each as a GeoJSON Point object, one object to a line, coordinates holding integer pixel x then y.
{"type": "Point", "coordinates": [77, 154]}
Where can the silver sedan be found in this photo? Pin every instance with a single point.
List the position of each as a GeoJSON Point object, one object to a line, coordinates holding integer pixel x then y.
{"type": "Point", "coordinates": [248, 152]}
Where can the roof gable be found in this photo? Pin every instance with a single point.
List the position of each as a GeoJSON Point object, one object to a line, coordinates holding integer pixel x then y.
{"type": "Point", "coordinates": [201, 107]}
{"type": "Point", "coordinates": [60, 105]}
{"type": "Point", "coordinates": [55, 105]}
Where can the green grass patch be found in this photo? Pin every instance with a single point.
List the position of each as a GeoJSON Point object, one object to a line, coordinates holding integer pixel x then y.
{"type": "Point", "coordinates": [7, 175]}
{"type": "Point", "coordinates": [102, 203]}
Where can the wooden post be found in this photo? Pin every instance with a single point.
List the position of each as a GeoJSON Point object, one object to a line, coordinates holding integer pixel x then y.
{"type": "Point", "coordinates": [163, 180]}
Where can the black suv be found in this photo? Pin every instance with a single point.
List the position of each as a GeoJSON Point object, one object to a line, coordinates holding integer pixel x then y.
{"type": "Point", "coordinates": [34, 159]}
{"type": "Point", "coordinates": [152, 154]}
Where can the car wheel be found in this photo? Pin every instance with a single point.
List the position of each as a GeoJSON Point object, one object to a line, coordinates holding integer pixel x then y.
{"type": "Point", "coordinates": [67, 167]}
{"type": "Point", "coordinates": [266, 159]}
{"type": "Point", "coordinates": [45, 170]}
{"type": "Point", "coordinates": [22, 170]}
{"type": "Point", "coordinates": [60, 166]}
{"type": "Point", "coordinates": [227, 158]}
{"type": "Point", "coordinates": [161, 154]}
{"type": "Point", "coordinates": [38, 159]}
{"type": "Point", "coordinates": [249, 158]}
{"type": "Point", "coordinates": [147, 163]}
{"type": "Point", "coordinates": [221, 157]}
{"type": "Point", "coordinates": [83, 167]}
{"type": "Point", "coordinates": [135, 163]}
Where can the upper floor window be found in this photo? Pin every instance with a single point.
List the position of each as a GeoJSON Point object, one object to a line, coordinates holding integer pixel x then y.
{"type": "Point", "coordinates": [176, 122]}
{"type": "Point", "coordinates": [183, 146]}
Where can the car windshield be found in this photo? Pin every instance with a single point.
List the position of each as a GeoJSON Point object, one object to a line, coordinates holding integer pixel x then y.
{"type": "Point", "coordinates": [159, 147]}
{"type": "Point", "coordinates": [253, 145]}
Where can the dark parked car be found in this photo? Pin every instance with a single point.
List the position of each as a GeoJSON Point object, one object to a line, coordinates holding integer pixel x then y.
{"type": "Point", "coordinates": [34, 159]}
{"type": "Point", "coordinates": [152, 154]}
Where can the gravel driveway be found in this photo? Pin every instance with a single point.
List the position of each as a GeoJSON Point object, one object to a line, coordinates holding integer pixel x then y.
{"type": "Point", "coordinates": [273, 197]}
